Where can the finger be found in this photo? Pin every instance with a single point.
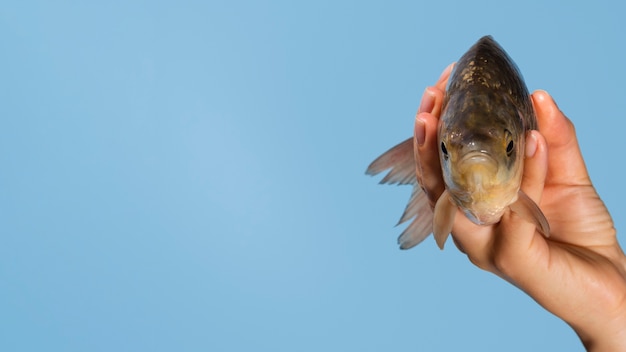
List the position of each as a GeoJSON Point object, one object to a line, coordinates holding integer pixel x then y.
{"type": "Point", "coordinates": [565, 162]}
{"type": "Point", "coordinates": [428, 169]}
{"type": "Point", "coordinates": [443, 79]}
{"type": "Point", "coordinates": [535, 166]}
{"type": "Point", "coordinates": [432, 99]}
{"type": "Point", "coordinates": [475, 241]}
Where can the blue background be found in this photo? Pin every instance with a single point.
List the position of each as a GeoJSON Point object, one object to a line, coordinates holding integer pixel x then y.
{"type": "Point", "coordinates": [189, 176]}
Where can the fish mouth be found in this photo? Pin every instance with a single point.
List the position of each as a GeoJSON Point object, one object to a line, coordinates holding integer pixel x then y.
{"type": "Point", "coordinates": [484, 218]}
{"type": "Point", "coordinates": [480, 187]}
{"type": "Point", "coordinates": [474, 176]}
{"type": "Point", "coordinates": [478, 161]}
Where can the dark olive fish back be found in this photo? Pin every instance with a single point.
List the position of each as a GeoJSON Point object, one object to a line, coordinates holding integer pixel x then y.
{"type": "Point", "coordinates": [487, 69]}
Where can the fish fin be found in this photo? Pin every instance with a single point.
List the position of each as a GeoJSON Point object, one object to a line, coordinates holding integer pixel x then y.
{"type": "Point", "coordinates": [528, 210]}
{"type": "Point", "coordinates": [416, 204]}
{"type": "Point", "coordinates": [421, 226]}
{"type": "Point", "coordinates": [445, 212]}
{"type": "Point", "coordinates": [400, 159]}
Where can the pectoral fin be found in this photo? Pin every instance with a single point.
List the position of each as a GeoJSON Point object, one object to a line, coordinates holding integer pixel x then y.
{"type": "Point", "coordinates": [443, 220]}
{"type": "Point", "coordinates": [529, 211]}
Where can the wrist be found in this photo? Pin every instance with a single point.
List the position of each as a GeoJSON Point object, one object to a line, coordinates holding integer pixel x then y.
{"type": "Point", "coordinates": [610, 336]}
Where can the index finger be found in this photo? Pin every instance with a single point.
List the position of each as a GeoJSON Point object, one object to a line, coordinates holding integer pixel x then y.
{"type": "Point", "coordinates": [428, 170]}
{"type": "Point", "coordinates": [443, 79]}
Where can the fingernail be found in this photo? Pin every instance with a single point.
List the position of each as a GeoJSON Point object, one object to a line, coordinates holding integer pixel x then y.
{"type": "Point", "coordinates": [428, 101]}
{"type": "Point", "coordinates": [531, 145]}
{"type": "Point", "coordinates": [420, 131]}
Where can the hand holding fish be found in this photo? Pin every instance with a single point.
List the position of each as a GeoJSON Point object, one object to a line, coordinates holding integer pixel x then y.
{"type": "Point", "coordinates": [501, 170]}
{"type": "Point", "coordinates": [579, 272]}
{"type": "Point", "coordinates": [485, 116]}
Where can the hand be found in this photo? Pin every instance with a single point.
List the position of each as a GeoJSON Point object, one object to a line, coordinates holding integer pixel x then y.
{"type": "Point", "coordinates": [579, 272]}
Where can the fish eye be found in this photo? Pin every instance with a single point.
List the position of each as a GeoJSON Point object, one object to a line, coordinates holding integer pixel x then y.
{"type": "Point", "coordinates": [509, 148]}
{"type": "Point", "coordinates": [444, 150]}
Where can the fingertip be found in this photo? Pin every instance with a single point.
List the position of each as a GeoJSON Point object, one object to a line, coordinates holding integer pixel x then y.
{"type": "Point", "coordinates": [536, 147]}
{"type": "Point", "coordinates": [556, 127]}
{"type": "Point", "coordinates": [427, 103]}
{"type": "Point", "coordinates": [535, 165]}
{"type": "Point", "coordinates": [427, 156]}
{"type": "Point", "coordinates": [565, 163]}
{"type": "Point", "coordinates": [420, 130]}
{"type": "Point", "coordinates": [431, 102]}
{"type": "Point", "coordinates": [546, 108]}
{"type": "Point", "coordinates": [443, 78]}
{"type": "Point", "coordinates": [446, 72]}
{"type": "Point", "coordinates": [531, 144]}
{"type": "Point", "coordinates": [429, 123]}
{"type": "Point", "coordinates": [541, 95]}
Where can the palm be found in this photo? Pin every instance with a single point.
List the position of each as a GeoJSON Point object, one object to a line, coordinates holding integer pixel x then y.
{"type": "Point", "coordinates": [577, 215]}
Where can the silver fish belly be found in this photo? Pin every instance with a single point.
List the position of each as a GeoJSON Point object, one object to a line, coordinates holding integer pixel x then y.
{"type": "Point", "coordinates": [481, 135]}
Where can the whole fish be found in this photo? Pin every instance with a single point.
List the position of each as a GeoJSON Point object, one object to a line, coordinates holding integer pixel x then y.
{"type": "Point", "coordinates": [481, 137]}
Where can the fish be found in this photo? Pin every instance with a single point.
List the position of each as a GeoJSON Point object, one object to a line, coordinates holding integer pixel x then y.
{"type": "Point", "coordinates": [485, 116]}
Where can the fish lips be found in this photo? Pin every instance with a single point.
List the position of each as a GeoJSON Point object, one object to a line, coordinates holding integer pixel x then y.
{"type": "Point", "coordinates": [475, 187]}
{"type": "Point", "coordinates": [477, 169]}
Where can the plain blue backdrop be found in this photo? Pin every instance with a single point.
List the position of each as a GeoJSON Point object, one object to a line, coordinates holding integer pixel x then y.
{"type": "Point", "coordinates": [189, 176]}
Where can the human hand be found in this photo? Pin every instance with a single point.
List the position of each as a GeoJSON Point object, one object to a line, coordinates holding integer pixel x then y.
{"type": "Point", "coordinates": [579, 272]}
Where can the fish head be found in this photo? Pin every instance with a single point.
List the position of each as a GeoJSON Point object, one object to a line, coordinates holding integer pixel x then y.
{"type": "Point", "coordinates": [481, 154]}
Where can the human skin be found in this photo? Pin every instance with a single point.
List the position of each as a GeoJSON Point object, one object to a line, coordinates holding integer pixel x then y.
{"type": "Point", "coordinates": [579, 272]}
